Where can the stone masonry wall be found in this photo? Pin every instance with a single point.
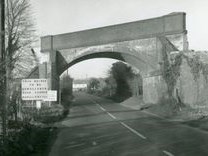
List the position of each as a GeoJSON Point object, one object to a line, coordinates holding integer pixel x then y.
{"type": "Point", "coordinates": [192, 83]}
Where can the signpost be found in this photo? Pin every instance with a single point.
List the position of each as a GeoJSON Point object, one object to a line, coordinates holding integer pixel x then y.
{"type": "Point", "coordinates": [51, 95]}
{"type": "Point", "coordinates": [37, 89]}
{"type": "Point", "coordinates": [34, 89]}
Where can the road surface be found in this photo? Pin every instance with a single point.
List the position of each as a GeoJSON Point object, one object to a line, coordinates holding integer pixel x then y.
{"type": "Point", "coordinates": [100, 127]}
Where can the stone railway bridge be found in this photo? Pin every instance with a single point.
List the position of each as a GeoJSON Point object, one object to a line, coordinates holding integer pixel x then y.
{"type": "Point", "coordinates": [139, 44]}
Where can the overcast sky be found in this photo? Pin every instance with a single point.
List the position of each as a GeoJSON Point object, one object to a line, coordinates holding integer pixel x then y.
{"type": "Point", "coordinates": [62, 16]}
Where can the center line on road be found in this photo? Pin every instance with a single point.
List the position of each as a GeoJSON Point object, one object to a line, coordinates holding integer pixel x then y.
{"type": "Point", "coordinates": [134, 131]}
{"type": "Point", "coordinates": [111, 115]}
{"type": "Point", "coordinates": [125, 125]}
{"type": "Point", "coordinates": [168, 153]}
{"type": "Point", "coordinates": [101, 107]}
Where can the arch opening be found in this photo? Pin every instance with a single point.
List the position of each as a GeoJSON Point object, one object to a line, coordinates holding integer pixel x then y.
{"type": "Point", "coordinates": [106, 89]}
{"type": "Point", "coordinates": [134, 61]}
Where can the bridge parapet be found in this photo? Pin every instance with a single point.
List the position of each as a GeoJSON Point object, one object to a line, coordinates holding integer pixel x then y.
{"type": "Point", "coordinates": [170, 24]}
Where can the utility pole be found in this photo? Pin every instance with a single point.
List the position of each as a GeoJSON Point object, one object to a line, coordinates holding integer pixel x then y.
{"type": "Point", "coordinates": [3, 67]}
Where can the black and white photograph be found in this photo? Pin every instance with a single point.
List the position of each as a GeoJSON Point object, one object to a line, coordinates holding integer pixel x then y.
{"type": "Point", "coordinates": [103, 78]}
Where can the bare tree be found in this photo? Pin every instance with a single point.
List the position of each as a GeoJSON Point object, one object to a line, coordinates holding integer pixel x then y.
{"type": "Point", "coordinates": [20, 36]}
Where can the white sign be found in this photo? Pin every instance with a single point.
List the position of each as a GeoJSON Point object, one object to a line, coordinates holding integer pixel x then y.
{"type": "Point", "coordinates": [34, 89]}
{"type": "Point", "coordinates": [51, 95]}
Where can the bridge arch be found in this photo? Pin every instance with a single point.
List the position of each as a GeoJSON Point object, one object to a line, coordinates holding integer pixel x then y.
{"type": "Point", "coordinates": [132, 60]}
{"type": "Point", "coordinates": [139, 43]}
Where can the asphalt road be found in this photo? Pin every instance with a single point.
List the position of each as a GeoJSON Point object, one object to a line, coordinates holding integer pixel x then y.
{"type": "Point", "coordinates": [99, 127]}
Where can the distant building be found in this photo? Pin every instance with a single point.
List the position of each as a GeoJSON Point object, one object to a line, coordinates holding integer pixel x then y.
{"type": "Point", "coordinates": [80, 87]}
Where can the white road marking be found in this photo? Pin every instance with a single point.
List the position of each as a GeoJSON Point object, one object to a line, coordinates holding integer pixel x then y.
{"type": "Point", "coordinates": [98, 105]}
{"type": "Point", "coordinates": [168, 153]}
{"type": "Point", "coordinates": [101, 107]}
{"type": "Point", "coordinates": [125, 125]}
{"type": "Point", "coordinates": [129, 128]}
{"type": "Point", "coordinates": [134, 131]}
{"type": "Point", "coordinates": [111, 115]}
{"type": "Point", "coordinates": [72, 146]}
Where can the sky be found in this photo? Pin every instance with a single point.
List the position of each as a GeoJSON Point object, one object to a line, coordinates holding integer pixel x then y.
{"type": "Point", "coordinates": [63, 16]}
